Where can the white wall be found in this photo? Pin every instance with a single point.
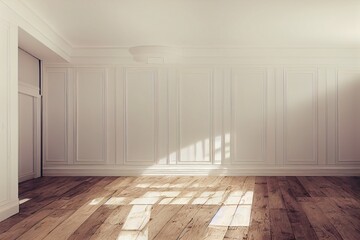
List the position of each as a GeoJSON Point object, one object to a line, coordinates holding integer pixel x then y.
{"type": "Point", "coordinates": [258, 119]}
{"type": "Point", "coordinates": [29, 117]}
{"type": "Point", "coordinates": [9, 203]}
{"type": "Point", "coordinates": [47, 45]}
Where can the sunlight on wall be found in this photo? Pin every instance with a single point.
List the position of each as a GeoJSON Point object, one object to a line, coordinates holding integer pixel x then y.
{"type": "Point", "coordinates": [200, 151]}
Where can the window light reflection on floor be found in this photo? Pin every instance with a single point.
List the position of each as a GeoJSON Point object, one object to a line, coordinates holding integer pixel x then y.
{"type": "Point", "coordinates": [21, 201]}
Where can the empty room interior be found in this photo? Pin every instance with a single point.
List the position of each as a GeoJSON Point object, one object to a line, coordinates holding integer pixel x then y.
{"type": "Point", "coordinates": [179, 119]}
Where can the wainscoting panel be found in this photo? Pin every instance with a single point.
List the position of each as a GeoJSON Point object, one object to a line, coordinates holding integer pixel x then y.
{"type": "Point", "coordinates": [90, 117]}
{"type": "Point", "coordinates": [195, 116]}
{"type": "Point", "coordinates": [26, 139]}
{"type": "Point", "coordinates": [55, 115]}
{"type": "Point", "coordinates": [300, 116]}
{"type": "Point", "coordinates": [141, 115]}
{"type": "Point", "coordinates": [265, 119]}
{"type": "Point", "coordinates": [348, 116]}
{"type": "Point", "coordinates": [249, 115]}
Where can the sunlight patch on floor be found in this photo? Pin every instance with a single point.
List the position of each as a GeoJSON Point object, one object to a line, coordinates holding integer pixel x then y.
{"type": "Point", "coordinates": [166, 201]}
{"type": "Point", "coordinates": [181, 201]}
{"type": "Point", "coordinates": [96, 201]}
{"type": "Point", "coordinates": [138, 217]}
{"type": "Point", "coordinates": [236, 212]}
{"type": "Point", "coordinates": [135, 226]}
{"type": "Point", "coordinates": [21, 201]}
{"type": "Point", "coordinates": [162, 194]}
{"type": "Point", "coordinates": [116, 201]}
{"type": "Point", "coordinates": [242, 216]}
{"type": "Point", "coordinates": [200, 200]}
{"type": "Point", "coordinates": [144, 201]}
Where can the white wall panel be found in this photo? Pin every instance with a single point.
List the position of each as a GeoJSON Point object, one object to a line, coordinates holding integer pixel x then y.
{"type": "Point", "coordinates": [29, 70]}
{"type": "Point", "coordinates": [349, 116]}
{"type": "Point", "coordinates": [4, 110]}
{"type": "Point", "coordinates": [56, 115]}
{"type": "Point", "coordinates": [26, 136]}
{"type": "Point", "coordinates": [300, 116]}
{"type": "Point", "coordinates": [29, 117]}
{"type": "Point", "coordinates": [218, 142]}
{"type": "Point", "coordinates": [141, 88]}
{"type": "Point", "coordinates": [120, 115]}
{"type": "Point", "coordinates": [173, 112]}
{"type": "Point", "coordinates": [9, 201]}
{"type": "Point", "coordinates": [331, 116]}
{"type": "Point", "coordinates": [162, 116]}
{"type": "Point", "coordinates": [142, 119]}
{"type": "Point", "coordinates": [91, 115]}
{"type": "Point", "coordinates": [195, 115]}
{"type": "Point", "coordinates": [249, 95]}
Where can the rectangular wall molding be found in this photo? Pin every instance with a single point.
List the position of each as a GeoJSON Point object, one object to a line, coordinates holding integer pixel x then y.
{"type": "Point", "coordinates": [300, 116]}
{"type": "Point", "coordinates": [146, 117]}
{"type": "Point", "coordinates": [347, 116]}
{"type": "Point", "coordinates": [55, 115]}
{"type": "Point", "coordinates": [141, 116]}
{"type": "Point", "coordinates": [90, 115]}
{"type": "Point", "coordinates": [249, 116]}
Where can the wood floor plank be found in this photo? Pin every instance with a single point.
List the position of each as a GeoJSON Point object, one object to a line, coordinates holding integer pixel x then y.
{"type": "Point", "coordinates": [35, 184]}
{"type": "Point", "coordinates": [300, 224]}
{"type": "Point", "coordinates": [20, 228]}
{"type": "Point", "coordinates": [275, 197]}
{"type": "Point", "coordinates": [11, 221]}
{"type": "Point", "coordinates": [311, 188]}
{"type": "Point", "coordinates": [159, 220]}
{"type": "Point", "coordinates": [90, 226]}
{"type": "Point", "coordinates": [280, 224]}
{"type": "Point", "coordinates": [260, 224]}
{"type": "Point", "coordinates": [239, 225]}
{"type": "Point", "coordinates": [323, 228]}
{"type": "Point", "coordinates": [187, 207]}
{"type": "Point", "coordinates": [347, 226]}
{"type": "Point", "coordinates": [45, 226]}
{"type": "Point", "coordinates": [196, 228]}
{"type": "Point", "coordinates": [215, 232]}
{"type": "Point", "coordinates": [112, 226]}
{"type": "Point", "coordinates": [261, 196]}
{"type": "Point", "coordinates": [296, 187]}
{"type": "Point", "coordinates": [178, 222]}
{"type": "Point", "coordinates": [71, 224]}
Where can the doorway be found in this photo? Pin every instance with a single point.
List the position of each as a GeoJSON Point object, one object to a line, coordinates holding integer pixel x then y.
{"type": "Point", "coordinates": [29, 94]}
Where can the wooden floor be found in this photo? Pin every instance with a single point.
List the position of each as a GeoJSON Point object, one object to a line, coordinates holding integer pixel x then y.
{"type": "Point", "coordinates": [187, 208]}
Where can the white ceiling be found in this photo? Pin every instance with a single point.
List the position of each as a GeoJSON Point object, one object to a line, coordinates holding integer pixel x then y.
{"type": "Point", "coordinates": [125, 23]}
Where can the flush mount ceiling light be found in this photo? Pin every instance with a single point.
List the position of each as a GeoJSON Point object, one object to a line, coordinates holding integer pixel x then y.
{"type": "Point", "coordinates": [155, 54]}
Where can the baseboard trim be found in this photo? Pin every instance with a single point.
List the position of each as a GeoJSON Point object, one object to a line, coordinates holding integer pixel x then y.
{"type": "Point", "coordinates": [8, 210]}
{"type": "Point", "coordinates": [200, 171]}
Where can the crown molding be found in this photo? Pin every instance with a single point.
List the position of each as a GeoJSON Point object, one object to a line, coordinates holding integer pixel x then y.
{"type": "Point", "coordinates": [40, 29]}
{"type": "Point", "coordinates": [155, 54]}
{"type": "Point", "coordinates": [27, 20]}
{"type": "Point", "coordinates": [216, 55]}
